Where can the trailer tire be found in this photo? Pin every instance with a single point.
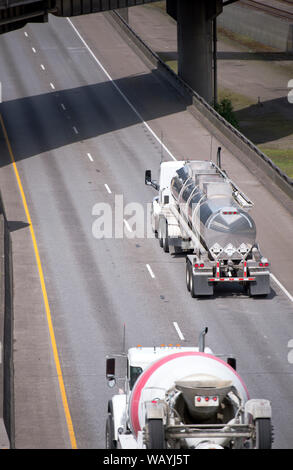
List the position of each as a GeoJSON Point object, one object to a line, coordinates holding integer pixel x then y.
{"type": "Point", "coordinates": [191, 284]}
{"type": "Point", "coordinates": [156, 434]}
{"type": "Point", "coordinates": [109, 435]}
{"type": "Point", "coordinates": [263, 433]}
{"type": "Point", "coordinates": [160, 238]}
{"type": "Point", "coordinates": [188, 275]}
{"type": "Point", "coordinates": [166, 240]}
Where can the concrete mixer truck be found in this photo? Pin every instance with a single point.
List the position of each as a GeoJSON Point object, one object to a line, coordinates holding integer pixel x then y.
{"type": "Point", "coordinates": [200, 211]}
{"type": "Point", "coordinates": [184, 398]}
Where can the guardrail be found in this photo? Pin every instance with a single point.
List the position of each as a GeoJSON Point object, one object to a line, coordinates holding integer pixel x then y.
{"type": "Point", "coordinates": [6, 336]}
{"type": "Point", "coordinates": [261, 160]}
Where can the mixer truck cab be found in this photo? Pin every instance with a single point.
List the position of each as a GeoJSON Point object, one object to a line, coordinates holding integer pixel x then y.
{"type": "Point", "coordinates": [139, 358]}
{"type": "Point", "coordinates": [183, 397]}
{"type": "Point", "coordinates": [201, 212]}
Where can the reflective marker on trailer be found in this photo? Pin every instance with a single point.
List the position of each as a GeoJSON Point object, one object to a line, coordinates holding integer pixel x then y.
{"type": "Point", "coordinates": [218, 269]}
{"type": "Point", "coordinates": [231, 279]}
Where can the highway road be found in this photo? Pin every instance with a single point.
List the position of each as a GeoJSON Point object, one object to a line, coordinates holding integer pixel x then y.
{"type": "Point", "coordinates": [81, 109]}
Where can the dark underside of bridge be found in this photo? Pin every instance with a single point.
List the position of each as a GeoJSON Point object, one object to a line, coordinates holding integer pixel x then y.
{"type": "Point", "coordinates": [196, 30]}
{"type": "Point", "coordinates": [15, 14]}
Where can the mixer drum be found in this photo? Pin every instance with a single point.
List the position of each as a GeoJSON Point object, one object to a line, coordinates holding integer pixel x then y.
{"type": "Point", "coordinates": [161, 375]}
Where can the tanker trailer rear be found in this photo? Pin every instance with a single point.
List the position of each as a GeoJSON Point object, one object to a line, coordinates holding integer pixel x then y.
{"type": "Point", "coordinates": [199, 210]}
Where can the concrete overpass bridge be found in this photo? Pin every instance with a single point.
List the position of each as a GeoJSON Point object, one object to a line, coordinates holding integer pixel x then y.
{"type": "Point", "coordinates": [196, 25]}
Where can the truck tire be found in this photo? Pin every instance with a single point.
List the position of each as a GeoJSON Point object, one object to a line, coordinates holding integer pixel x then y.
{"type": "Point", "coordinates": [166, 240]}
{"type": "Point", "coordinates": [156, 434]}
{"type": "Point", "coordinates": [109, 435]}
{"type": "Point", "coordinates": [160, 238]}
{"type": "Point", "coordinates": [191, 284]}
{"type": "Point", "coordinates": [188, 275]}
{"type": "Point", "coordinates": [263, 433]}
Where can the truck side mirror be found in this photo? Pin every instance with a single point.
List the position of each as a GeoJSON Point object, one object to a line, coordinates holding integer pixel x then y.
{"type": "Point", "coordinates": [232, 362]}
{"type": "Point", "coordinates": [148, 177]}
{"type": "Point", "coordinates": [110, 371]}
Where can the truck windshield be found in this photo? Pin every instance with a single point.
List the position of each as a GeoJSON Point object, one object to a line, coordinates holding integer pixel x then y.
{"type": "Point", "coordinates": [134, 374]}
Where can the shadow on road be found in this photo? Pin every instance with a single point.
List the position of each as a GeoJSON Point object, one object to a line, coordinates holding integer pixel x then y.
{"type": "Point", "coordinates": [14, 225]}
{"type": "Point", "coordinates": [38, 124]}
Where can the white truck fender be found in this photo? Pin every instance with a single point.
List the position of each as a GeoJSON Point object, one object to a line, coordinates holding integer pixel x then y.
{"type": "Point", "coordinates": [119, 413]}
{"type": "Point", "coordinates": [156, 210]}
{"type": "Point", "coordinates": [155, 410]}
{"type": "Point", "coordinates": [258, 408]}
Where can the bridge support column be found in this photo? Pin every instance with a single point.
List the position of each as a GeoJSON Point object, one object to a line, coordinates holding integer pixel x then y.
{"type": "Point", "coordinates": [195, 43]}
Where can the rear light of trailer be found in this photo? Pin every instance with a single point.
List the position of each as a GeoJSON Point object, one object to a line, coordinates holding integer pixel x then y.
{"type": "Point", "coordinates": [204, 401]}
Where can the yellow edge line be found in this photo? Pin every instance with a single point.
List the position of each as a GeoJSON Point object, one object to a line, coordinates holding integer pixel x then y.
{"type": "Point", "coordinates": [44, 291]}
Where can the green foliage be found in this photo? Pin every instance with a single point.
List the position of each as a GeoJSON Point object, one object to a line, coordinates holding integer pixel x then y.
{"type": "Point", "coordinates": [225, 109]}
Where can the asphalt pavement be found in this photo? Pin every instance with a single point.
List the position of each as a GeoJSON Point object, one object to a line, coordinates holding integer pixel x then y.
{"type": "Point", "coordinates": [80, 139]}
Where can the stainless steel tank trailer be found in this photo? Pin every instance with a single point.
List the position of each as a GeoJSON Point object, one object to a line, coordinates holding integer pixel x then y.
{"type": "Point", "coordinates": [200, 211]}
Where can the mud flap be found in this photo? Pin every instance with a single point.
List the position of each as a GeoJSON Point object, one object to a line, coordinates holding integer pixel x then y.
{"type": "Point", "coordinates": [201, 285]}
{"type": "Point", "coordinates": [261, 285]}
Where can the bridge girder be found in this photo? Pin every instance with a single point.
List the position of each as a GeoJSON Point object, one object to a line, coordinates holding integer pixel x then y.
{"type": "Point", "coordinates": [15, 14]}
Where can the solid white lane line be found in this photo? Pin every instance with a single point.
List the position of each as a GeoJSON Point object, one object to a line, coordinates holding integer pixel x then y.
{"type": "Point", "coordinates": [90, 157]}
{"type": "Point", "coordinates": [75, 130]}
{"type": "Point", "coordinates": [63, 107]}
{"type": "Point", "coordinates": [34, 50]}
{"type": "Point", "coordinates": [52, 85]}
{"type": "Point", "coordinates": [145, 124]}
{"type": "Point", "coordinates": [42, 67]}
{"type": "Point", "coordinates": [150, 271]}
{"type": "Point", "coordinates": [108, 189]}
{"type": "Point", "coordinates": [180, 334]}
{"type": "Point", "coordinates": [290, 297]}
{"type": "Point", "coordinates": [120, 91]}
{"type": "Point", "coordinates": [127, 226]}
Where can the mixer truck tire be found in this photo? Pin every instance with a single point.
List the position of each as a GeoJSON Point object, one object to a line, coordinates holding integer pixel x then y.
{"type": "Point", "coordinates": [263, 433]}
{"type": "Point", "coordinates": [109, 437]}
{"type": "Point", "coordinates": [156, 434]}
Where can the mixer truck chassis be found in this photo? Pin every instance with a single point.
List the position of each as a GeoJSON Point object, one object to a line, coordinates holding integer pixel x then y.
{"type": "Point", "coordinates": [183, 398]}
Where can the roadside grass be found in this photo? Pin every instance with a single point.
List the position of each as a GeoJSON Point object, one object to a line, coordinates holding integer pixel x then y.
{"type": "Point", "coordinates": [243, 40]}
{"type": "Point", "coordinates": [161, 5]}
{"type": "Point", "coordinates": [173, 64]}
{"type": "Point", "coordinates": [238, 100]}
{"type": "Point", "coordinates": [265, 127]}
{"type": "Point", "coordinates": [283, 158]}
